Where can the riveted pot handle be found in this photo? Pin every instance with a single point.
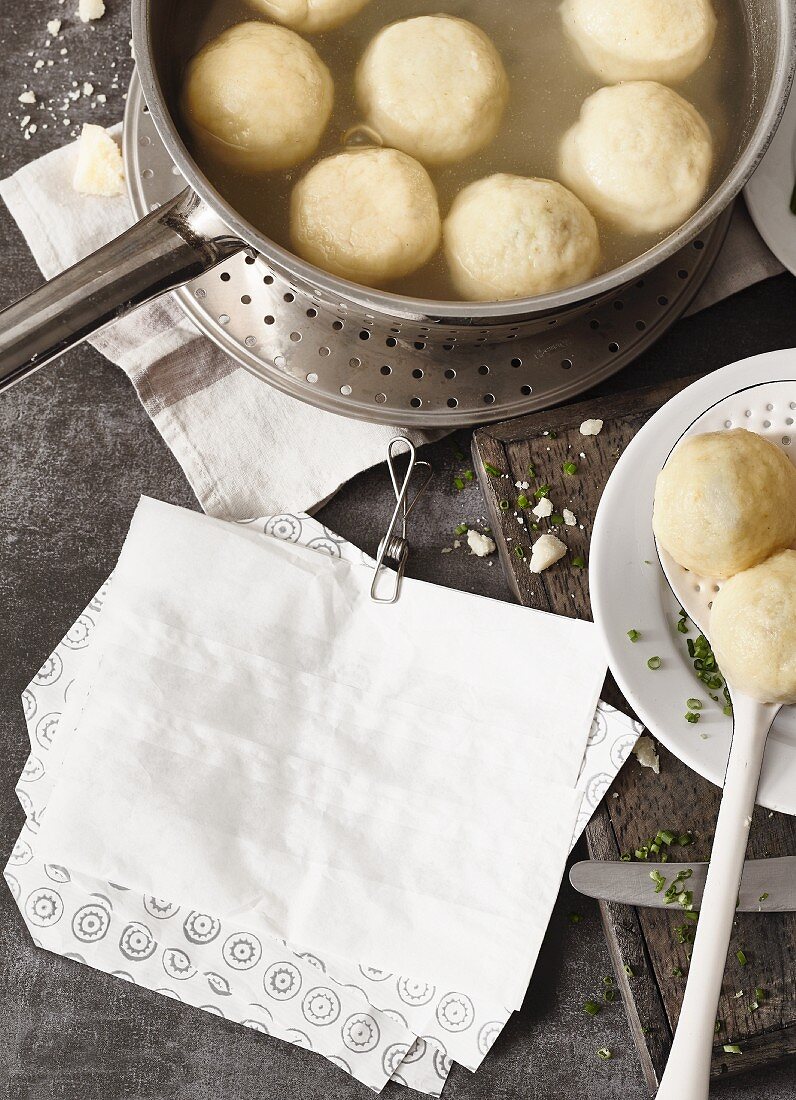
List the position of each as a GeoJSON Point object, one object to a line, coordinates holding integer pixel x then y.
{"type": "Point", "coordinates": [173, 244]}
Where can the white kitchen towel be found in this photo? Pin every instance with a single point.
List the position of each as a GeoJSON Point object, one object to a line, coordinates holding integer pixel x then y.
{"type": "Point", "coordinates": [246, 449]}
{"type": "Point", "coordinates": [240, 973]}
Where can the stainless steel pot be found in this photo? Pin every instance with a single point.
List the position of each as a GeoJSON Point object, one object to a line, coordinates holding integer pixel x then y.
{"type": "Point", "coordinates": [198, 229]}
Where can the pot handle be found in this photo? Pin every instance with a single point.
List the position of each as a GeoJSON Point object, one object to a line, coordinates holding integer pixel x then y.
{"type": "Point", "coordinates": [173, 244]}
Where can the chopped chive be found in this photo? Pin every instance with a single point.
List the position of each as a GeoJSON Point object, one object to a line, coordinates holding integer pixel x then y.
{"type": "Point", "coordinates": [609, 996]}
{"type": "Point", "coordinates": [659, 881]}
{"type": "Point", "coordinates": [727, 711]}
{"type": "Point", "coordinates": [492, 470]}
{"type": "Point", "coordinates": [504, 506]}
{"type": "Point", "coordinates": [457, 481]}
{"type": "Point", "coordinates": [762, 897]}
{"type": "Point", "coordinates": [654, 663]}
{"type": "Point", "coordinates": [556, 520]}
{"type": "Point", "coordinates": [666, 836]}
{"type": "Point", "coordinates": [625, 857]}
{"type": "Point", "coordinates": [694, 704]}
{"type": "Point", "coordinates": [518, 550]}
{"type": "Point", "coordinates": [570, 468]}
{"type": "Point", "coordinates": [522, 501]}
{"type": "Point", "coordinates": [682, 626]}
{"type": "Point", "coordinates": [608, 980]}
{"type": "Point", "coordinates": [575, 918]}
{"type": "Point", "coordinates": [760, 994]}
{"type": "Point", "coordinates": [732, 1048]}
{"type": "Point", "coordinates": [605, 1054]}
{"type": "Point", "coordinates": [677, 972]}
{"type": "Point", "coordinates": [461, 529]}
{"type": "Point", "coordinates": [633, 635]}
{"type": "Point", "coordinates": [629, 971]}
{"type": "Point", "coordinates": [685, 839]}
{"type": "Point", "coordinates": [531, 470]}
{"type": "Point", "coordinates": [691, 650]}
{"type": "Point", "coordinates": [552, 435]}
{"type": "Point", "coordinates": [741, 957]}
{"type": "Point", "coordinates": [542, 491]}
{"type": "Point", "coordinates": [579, 562]}
{"type": "Point", "coordinates": [692, 717]}
{"type": "Point", "coordinates": [592, 1008]}
{"type": "Point", "coordinates": [469, 475]}
{"type": "Point", "coordinates": [719, 1026]}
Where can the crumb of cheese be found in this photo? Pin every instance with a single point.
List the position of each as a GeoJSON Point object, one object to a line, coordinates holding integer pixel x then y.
{"type": "Point", "coordinates": [100, 170]}
{"type": "Point", "coordinates": [570, 519]}
{"type": "Point", "coordinates": [54, 27]}
{"type": "Point", "coordinates": [480, 545]}
{"type": "Point", "coordinates": [544, 508]}
{"type": "Point", "coordinates": [646, 754]}
{"type": "Point", "coordinates": [91, 9]}
{"type": "Point", "coordinates": [591, 427]}
{"type": "Point", "coordinates": [546, 551]}
{"type": "Point", "coordinates": [27, 97]}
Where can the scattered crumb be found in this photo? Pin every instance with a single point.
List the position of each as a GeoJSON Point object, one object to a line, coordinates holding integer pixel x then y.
{"type": "Point", "coordinates": [570, 519]}
{"type": "Point", "coordinates": [88, 89]}
{"type": "Point", "coordinates": [54, 27]}
{"type": "Point", "coordinates": [543, 509]}
{"type": "Point", "coordinates": [27, 97]}
{"type": "Point", "coordinates": [546, 551]}
{"type": "Point", "coordinates": [647, 755]}
{"type": "Point", "coordinates": [100, 169]}
{"type": "Point", "coordinates": [591, 427]}
{"type": "Point", "coordinates": [90, 9]}
{"type": "Point", "coordinates": [480, 545]}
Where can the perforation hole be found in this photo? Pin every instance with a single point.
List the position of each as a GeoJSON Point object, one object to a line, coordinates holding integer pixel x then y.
{"type": "Point", "coordinates": [682, 273]}
{"type": "Point", "coordinates": [566, 364]}
{"type": "Point", "coordinates": [380, 398]}
{"type": "Point", "coordinates": [312, 313]}
{"type": "Point", "coordinates": [450, 373]}
{"type": "Point", "coordinates": [613, 347]}
{"type": "Point", "coordinates": [516, 362]}
{"type": "Point", "coordinates": [223, 318]}
{"type": "Point", "coordinates": [345, 391]}
{"type": "Point", "coordinates": [641, 325]}
{"type": "Point", "coordinates": [489, 399]}
{"type": "Point", "coordinates": [245, 300]}
{"type": "Point", "coordinates": [295, 337]}
{"type": "Point", "coordinates": [312, 378]}
{"type": "Point", "coordinates": [268, 279]}
{"type": "Point", "coordinates": [250, 341]}
{"type": "Point", "coordinates": [225, 276]}
{"type": "Point", "coordinates": [364, 334]}
{"type": "Point", "coordinates": [526, 391]}
{"type": "Point", "coordinates": [269, 320]}
{"type": "Point", "coordinates": [415, 402]}
{"type": "Point", "coordinates": [452, 403]}
{"type": "Point", "coordinates": [355, 362]}
{"type": "Point", "coordinates": [324, 352]}
{"type": "Point", "coordinates": [483, 369]}
{"type": "Point", "coordinates": [385, 370]}
{"type": "Point", "coordinates": [417, 373]}
{"type": "Point", "coordinates": [338, 325]}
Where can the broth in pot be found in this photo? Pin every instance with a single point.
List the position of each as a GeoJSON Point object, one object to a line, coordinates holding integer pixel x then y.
{"type": "Point", "coordinates": [548, 83]}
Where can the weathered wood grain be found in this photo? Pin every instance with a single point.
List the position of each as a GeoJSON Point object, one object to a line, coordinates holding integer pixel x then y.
{"type": "Point", "coordinates": [640, 804]}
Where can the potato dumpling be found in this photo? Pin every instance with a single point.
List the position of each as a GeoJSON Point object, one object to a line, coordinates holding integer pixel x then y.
{"type": "Point", "coordinates": [639, 155]}
{"type": "Point", "coordinates": [434, 87]}
{"type": "Point", "coordinates": [753, 630]}
{"type": "Point", "coordinates": [512, 237]}
{"type": "Point", "coordinates": [310, 16]}
{"type": "Point", "coordinates": [724, 502]}
{"type": "Point", "coordinates": [258, 97]}
{"type": "Point", "coordinates": [370, 215]}
{"type": "Point", "coordinates": [664, 40]}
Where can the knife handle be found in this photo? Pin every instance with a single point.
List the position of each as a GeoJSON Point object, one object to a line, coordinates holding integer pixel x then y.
{"type": "Point", "coordinates": [687, 1075]}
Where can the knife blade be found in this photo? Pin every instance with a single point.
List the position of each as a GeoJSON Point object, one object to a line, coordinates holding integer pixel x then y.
{"type": "Point", "coordinates": [767, 886]}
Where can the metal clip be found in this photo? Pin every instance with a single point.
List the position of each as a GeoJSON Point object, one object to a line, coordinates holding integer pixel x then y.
{"type": "Point", "coordinates": [394, 547]}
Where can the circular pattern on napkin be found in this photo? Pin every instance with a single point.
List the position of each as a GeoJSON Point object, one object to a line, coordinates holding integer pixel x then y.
{"type": "Point", "coordinates": [360, 1032]}
{"type": "Point", "coordinates": [414, 992]}
{"type": "Point", "coordinates": [282, 981]}
{"type": "Point", "coordinates": [160, 908]}
{"type": "Point", "coordinates": [137, 942]}
{"type": "Point", "coordinates": [455, 1012]}
{"type": "Point", "coordinates": [44, 907]}
{"type": "Point", "coordinates": [91, 922]}
{"type": "Point", "coordinates": [242, 951]}
{"type": "Point", "coordinates": [321, 1006]}
{"type": "Point", "coordinates": [200, 928]}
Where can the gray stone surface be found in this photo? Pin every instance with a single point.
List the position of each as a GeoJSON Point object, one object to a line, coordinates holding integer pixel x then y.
{"type": "Point", "coordinates": [76, 451]}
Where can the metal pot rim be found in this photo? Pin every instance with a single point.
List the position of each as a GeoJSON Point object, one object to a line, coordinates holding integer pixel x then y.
{"type": "Point", "coordinates": [452, 312]}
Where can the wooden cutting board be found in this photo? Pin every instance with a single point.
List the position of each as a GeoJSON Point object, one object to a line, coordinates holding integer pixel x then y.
{"type": "Point", "coordinates": [644, 941]}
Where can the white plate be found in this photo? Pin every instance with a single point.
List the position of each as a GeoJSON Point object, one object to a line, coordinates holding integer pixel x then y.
{"type": "Point", "coordinates": [629, 590]}
{"type": "Point", "coordinates": [768, 192]}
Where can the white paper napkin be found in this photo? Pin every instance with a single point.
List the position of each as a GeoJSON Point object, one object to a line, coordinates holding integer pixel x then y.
{"type": "Point", "coordinates": [71, 913]}
{"type": "Point", "coordinates": [246, 449]}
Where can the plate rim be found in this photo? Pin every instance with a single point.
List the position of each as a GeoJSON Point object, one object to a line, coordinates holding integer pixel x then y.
{"type": "Point", "coordinates": [668, 423]}
{"type": "Point", "coordinates": [769, 190]}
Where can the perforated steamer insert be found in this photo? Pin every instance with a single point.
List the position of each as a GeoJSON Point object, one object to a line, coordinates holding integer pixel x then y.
{"type": "Point", "coordinates": [414, 375]}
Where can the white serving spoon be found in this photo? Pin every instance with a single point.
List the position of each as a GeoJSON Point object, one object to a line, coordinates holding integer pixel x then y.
{"type": "Point", "coordinates": [687, 1075]}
